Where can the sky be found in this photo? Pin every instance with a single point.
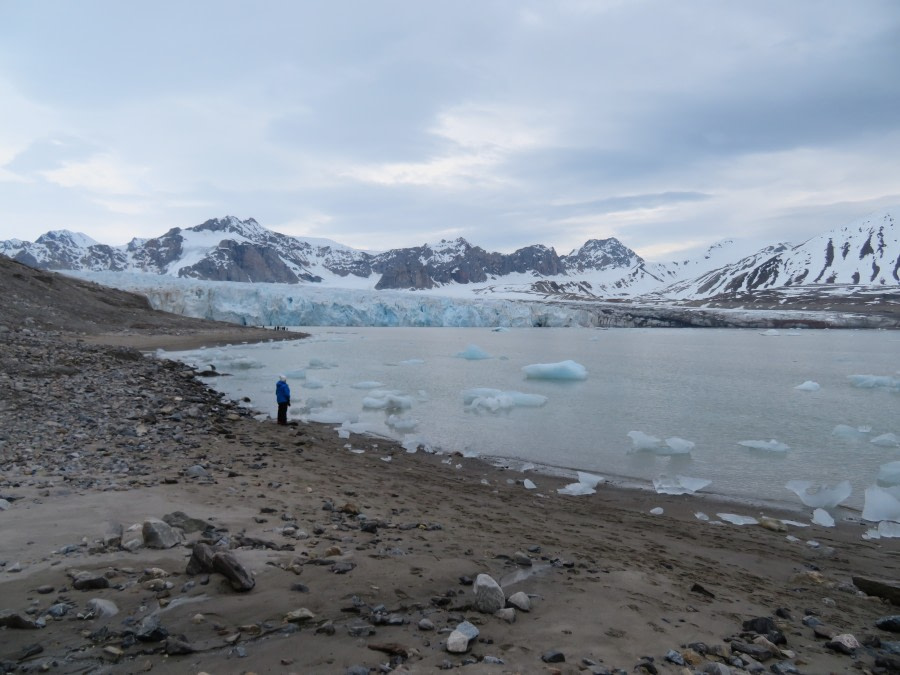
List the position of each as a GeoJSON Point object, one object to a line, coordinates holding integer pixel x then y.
{"type": "Point", "coordinates": [383, 124]}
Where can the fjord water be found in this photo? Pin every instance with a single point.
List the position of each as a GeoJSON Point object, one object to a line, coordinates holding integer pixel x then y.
{"type": "Point", "coordinates": [714, 387]}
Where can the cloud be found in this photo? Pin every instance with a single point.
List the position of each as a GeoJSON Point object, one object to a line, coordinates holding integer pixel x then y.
{"type": "Point", "coordinates": [100, 173]}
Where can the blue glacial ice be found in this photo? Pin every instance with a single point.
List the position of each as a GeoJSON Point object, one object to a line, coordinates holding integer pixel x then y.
{"type": "Point", "coordinates": [849, 433]}
{"type": "Point", "coordinates": [823, 518]}
{"type": "Point", "coordinates": [875, 382]}
{"type": "Point", "coordinates": [473, 353]}
{"type": "Point", "coordinates": [735, 519]}
{"type": "Point", "coordinates": [641, 442]}
{"type": "Point", "coordinates": [381, 399]}
{"type": "Point", "coordinates": [564, 370]}
{"type": "Point", "coordinates": [888, 440]}
{"type": "Point", "coordinates": [882, 504]}
{"type": "Point", "coordinates": [889, 474]}
{"type": "Point", "coordinates": [809, 385]}
{"type": "Point", "coordinates": [820, 495]}
{"type": "Point", "coordinates": [586, 485]}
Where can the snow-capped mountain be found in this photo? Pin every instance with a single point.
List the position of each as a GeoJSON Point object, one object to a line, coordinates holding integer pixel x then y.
{"type": "Point", "coordinates": [863, 253]}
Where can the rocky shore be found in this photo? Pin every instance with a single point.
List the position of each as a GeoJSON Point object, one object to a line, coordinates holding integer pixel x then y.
{"type": "Point", "coordinates": [149, 525]}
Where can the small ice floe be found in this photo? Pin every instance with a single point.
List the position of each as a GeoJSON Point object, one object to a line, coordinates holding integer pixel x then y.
{"type": "Point", "coordinates": [296, 374]}
{"type": "Point", "coordinates": [820, 496]}
{"type": "Point", "coordinates": [641, 442]}
{"type": "Point", "coordinates": [769, 446]}
{"type": "Point", "coordinates": [564, 370]}
{"type": "Point", "coordinates": [850, 433]}
{"type": "Point", "coordinates": [809, 385]}
{"type": "Point", "coordinates": [473, 353]}
{"type": "Point", "coordinates": [701, 516]}
{"type": "Point", "coordinates": [823, 518]}
{"type": "Point", "coordinates": [529, 485]}
{"type": "Point", "coordinates": [875, 382]}
{"type": "Point", "coordinates": [735, 519]}
{"type": "Point", "coordinates": [366, 384]}
{"type": "Point", "coordinates": [401, 423]}
{"type": "Point", "coordinates": [772, 332]}
{"type": "Point", "coordinates": [885, 530]}
{"type": "Point", "coordinates": [319, 364]}
{"type": "Point", "coordinates": [680, 485]}
{"type": "Point", "coordinates": [412, 362]}
{"type": "Point", "coordinates": [881, 504]}
{"type": "Point", "coordinates": [381, 399]}
{"type": "Point", "coordinates": [888, 440]}
{"type": "Point", "coordinates": [889, 474]}
{"type": "Point", "coordinates": [658, 511]}
{"type": "Point", "coordinates": [492, 401]}
{"type": "Point", "coordinates": [586, 485]}
{"type": "Point", "coordinates": [313, 383]}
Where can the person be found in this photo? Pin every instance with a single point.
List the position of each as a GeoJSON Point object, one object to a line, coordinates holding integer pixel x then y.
{"type": "Point", "coordinates": [283, 397]}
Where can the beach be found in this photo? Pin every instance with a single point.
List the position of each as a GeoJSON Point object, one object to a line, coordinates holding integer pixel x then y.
{"type": "Point", "coordinates": [367, 558]}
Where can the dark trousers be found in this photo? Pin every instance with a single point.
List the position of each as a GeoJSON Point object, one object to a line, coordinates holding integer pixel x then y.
{"type": "Point", "coordinates": [282, 413]}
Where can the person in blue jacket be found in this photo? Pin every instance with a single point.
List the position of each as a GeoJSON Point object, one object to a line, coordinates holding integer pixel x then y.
{"type": "Point", "coordinates": [283, 397]}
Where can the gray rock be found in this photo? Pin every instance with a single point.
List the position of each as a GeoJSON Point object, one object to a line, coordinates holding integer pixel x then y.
{"type": "Point", "coordinates": [844, 643]}
{"type": "Point", "coordinates": [507, 614]}
{"type": "Point", "coordinates": [458, 641]}
{"type": "Point", "coordinates": [196, 471]}
{"type": "Point", "coordinates": [426, 624]}
{"type": "Point", "coordinates": [520, 601]}
{"type": "Point", "coordinates": [186, 523]}
{"type": "Point", "coordinates": [238, 576]}
{"type": "Point", "coordinates": [112, 538]}
{"type": "Point", "coordinates": [489, 597]}
{"type": "Point", "coordinates": [886, 590]}
{"type": "Point", "coordinates": [159, 534]}
{"type": "Point", "coordinates": [89, 581]}
{"type": "Point", "coordinates": [758, 652]}
{"type": "Point", "coordinates": [522, 559]}
{"type": "Point", "coordinates": [201, 559]}
{"type": "Point", "coordinates": [715, 668]}
{"type": "Point", "coordinates": [4, 505]}
{"type": "Point", "coordinates": [10, 619]}
{"type": "Point", "coordinates": [150, 630]}
{"type": "Point", "coordinates": [553, 656]}
{"type": "Point", "coordinates": [889, 623]}
{"type": "Point", "coordinates": [59, 610]}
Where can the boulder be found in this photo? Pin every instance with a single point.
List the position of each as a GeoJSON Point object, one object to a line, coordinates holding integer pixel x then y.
{"type": "Point", "coordinates": [159, 534]}
{"type": "Point", "coordinates": [489, 597]}
{"type": "Point", "coordinates": [238, 576]}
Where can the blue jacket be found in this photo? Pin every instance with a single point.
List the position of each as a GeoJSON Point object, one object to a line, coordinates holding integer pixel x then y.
{"type": "Point", "coordinates": [282, 392]}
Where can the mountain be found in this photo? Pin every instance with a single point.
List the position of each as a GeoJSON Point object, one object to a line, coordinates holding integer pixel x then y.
{"type": "Point", "coordinates": [865, 253]}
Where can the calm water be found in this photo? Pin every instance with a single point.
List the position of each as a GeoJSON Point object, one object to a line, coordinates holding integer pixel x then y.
{"type": "Point", "coordinates": [712, 387]}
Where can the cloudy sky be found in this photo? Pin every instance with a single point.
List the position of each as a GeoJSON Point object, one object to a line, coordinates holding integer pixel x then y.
{"type": "Point", "coordinates": [380, 124]}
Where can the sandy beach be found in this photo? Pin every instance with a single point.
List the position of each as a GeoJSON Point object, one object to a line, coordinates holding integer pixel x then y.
{"type": "Point", "coordinates": [364, 558]}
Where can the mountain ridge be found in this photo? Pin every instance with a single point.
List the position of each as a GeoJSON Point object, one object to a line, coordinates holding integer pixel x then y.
{"type": "Point", "coordinates": [865, 252]}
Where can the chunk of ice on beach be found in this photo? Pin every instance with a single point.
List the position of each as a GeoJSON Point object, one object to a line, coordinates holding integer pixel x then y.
{"type": "Point", "coordinates": [820, 496]}
{"type": "Point", "coordinates": [770, 446]}
{"type": "Point", "coordinates": [881, 504]}
{"type": "Point", "coordinates": [889, 474]}
{"type": "Point", "coordinates": [367, 384]}
{"type": "Point", "coordinates": [529, 485]}
{"type": "Point", "coordinates": [850, 433]}
{"type": "Point", "coordinates": [679, 446]}
{"type": "Point", "coordinates": [809, 385]}
{"type": "Point", "coordinates": [735, 519]}
{"type": "Point", "coordinates": [885, 529]}
{"type": "Point", "coordinates": [823, 518]}
{"type": "Point", "coordinates": [351, 427]}
{"type": "Point", "coordinates": [589, 479]}
{"type": "Point", "coordinates": [473, 353]}
{"type": "Point", "coordinates": [657, 511]}
{"type": "Point", "coordinates": [875, 382]}
{"type": "Point", "coordinates": [888, 440]}
{"type": "Point", "coordinates": [576, 489]}
{"type": "Point", "coordinates": [701, 516]}
{"type": "Point", "coordinates": [564, 370]}
{"type": "Point", "coordinates": [679, 485]}
{"type": "Point", "coordinates": [411, 444]}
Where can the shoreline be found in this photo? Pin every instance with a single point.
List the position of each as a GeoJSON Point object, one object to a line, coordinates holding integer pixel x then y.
{"type": "Point", "coordinates": [360, 559]}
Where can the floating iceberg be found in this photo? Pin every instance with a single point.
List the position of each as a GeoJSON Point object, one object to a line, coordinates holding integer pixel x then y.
{"type": "Point", "coordinates": [823, 518]}
{"type": "Point", "coordinates": [889, 474]}
{"type": "Point", "coordinates": [881, 504]}
{"type": "Point", "coordinates": [403, 424]}
{"type": "Point", "coordinates": [312, 383]}
{"type": "Point", "coordinates": [886, 441]}
{"type": "Point", "coordinates": [735, 519]}
{"type": "Point", "coordinates": [850, 433]}
{"type": "Point", "coordinates": [332, 417]}
{"type": "Point", "coordinates": [679, 446]}
{"type": "Point", "coordinates": [772, 332]}
{"type": "Point", "coordinates": [680, 485]}
{"type": "Point", "coordinates": [485, 400]}
{"type": "Point", "coordinates": [387, 400]}
{"type": "Point", "coordinates": [643, 442]}
{"type": "Point", "coordinates": [875, 382]}
{"type": "Point", "coordinates": [770, 446]}
{"type": "Point", "coordinates": [809, 385]}
{"type": "Point", "coordinates": [564, 370]}
{"type": "Point", "coordinates": [820, 496]}
{"type": "Point", "coordinates": [473, 353]}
